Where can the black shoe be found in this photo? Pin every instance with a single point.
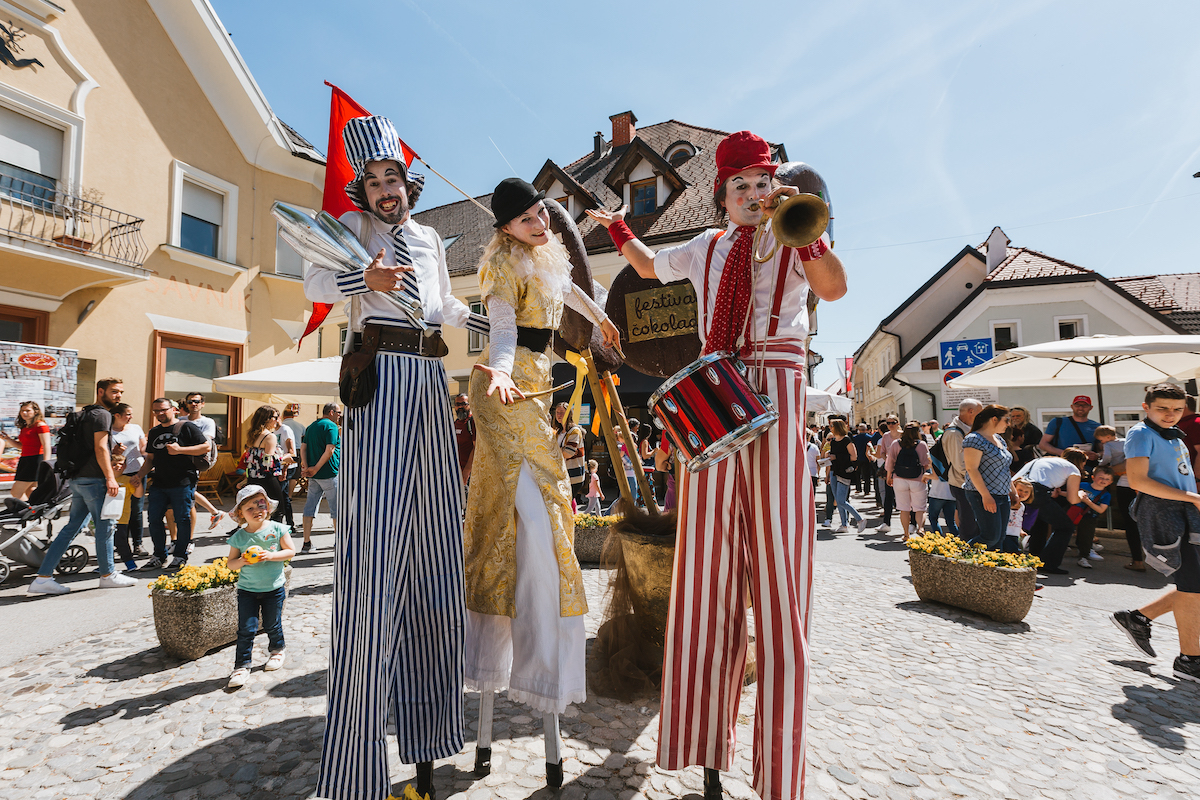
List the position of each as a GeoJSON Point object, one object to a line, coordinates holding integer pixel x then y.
{"type": "Point", "coordinates": [1137, 631]}
{"type": "Point", "coordinates": [1187, 670]}
{"type": "Point", "coordinates": [153, 563]}
{"type": "Point", "coordinates": [425, 780]}
{"type": "Point", "coordinates": [306, 548]}
{"type": "Point", "coordinates": [176, 564]}
{"type": "Point", "coordinates": [140, 552]}
{"type": "Point", "coordinates": [554, 775]}
{"type": "Point", "coordinates": [712, 785]}
{"type": "Point", "coordinates": [483, 762]}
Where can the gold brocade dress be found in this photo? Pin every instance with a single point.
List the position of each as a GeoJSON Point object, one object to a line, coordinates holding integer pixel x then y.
{"type": "Point", "coordinates": [519, 531]}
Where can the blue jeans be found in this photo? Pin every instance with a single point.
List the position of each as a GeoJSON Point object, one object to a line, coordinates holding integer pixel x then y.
{"type": "Point", "coordinates": [946, 508]}
{"type": "Point", "coordinates": [180, 500]}
{"type": "Point", "coordinates": [992, 525]}
{"type": "Point", "coordinates": [318, 488]}
{"type": "Point", "coordinates": [841, 491]}
{"type": "Point", "coordinates": [249, 605]}
{"type": "Point", "coordinates": [87, 495]}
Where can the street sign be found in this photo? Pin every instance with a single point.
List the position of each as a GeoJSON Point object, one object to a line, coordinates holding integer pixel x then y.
{"type": "Point", "coordinates": [951, 397]}
{"type": "Point", "coordinates": [964, 354]}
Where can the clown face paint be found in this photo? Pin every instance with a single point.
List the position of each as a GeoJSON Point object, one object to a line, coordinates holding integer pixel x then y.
{"type": "Point", "coordinates": [387, 195]}
{"type": "Point", "coordinates": [741, 191]}
{"type": "Point", "coordinates": [532, 226]}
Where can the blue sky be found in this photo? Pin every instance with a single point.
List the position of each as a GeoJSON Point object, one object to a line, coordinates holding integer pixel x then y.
{"type": "Point", "coordinates": [1075, 126]}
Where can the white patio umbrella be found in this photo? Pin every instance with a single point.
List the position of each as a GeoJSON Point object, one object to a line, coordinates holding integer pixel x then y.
{"type": "Point", "coordinates": [1087, 360]}
{"type": "Point", "coordinates": [314, 381]}
{"type": "Point", "coordinates": [825, 402]}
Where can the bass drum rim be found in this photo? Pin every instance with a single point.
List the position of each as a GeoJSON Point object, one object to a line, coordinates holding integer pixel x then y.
{"type": "Point", "coordinates": [734, 441]}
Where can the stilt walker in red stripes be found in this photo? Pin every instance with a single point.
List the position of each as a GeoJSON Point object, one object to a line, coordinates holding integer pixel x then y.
{"type": "Point", "coordinates": [746, 524]}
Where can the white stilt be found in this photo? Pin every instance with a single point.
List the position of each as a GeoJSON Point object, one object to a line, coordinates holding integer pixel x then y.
{"type": "Point", "coordinates": [483, 745]}
{"type": "Point", "coordinates": [553, 740]}
{"type": "Point", "coordinates": [486, 700]}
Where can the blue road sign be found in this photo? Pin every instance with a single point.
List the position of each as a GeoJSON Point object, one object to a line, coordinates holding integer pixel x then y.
{"type": "Point", "coordinates": [965, 354]}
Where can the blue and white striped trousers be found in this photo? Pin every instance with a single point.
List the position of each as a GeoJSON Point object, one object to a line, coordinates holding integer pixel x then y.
{"type": "Point", "coordinates": [398, 614]}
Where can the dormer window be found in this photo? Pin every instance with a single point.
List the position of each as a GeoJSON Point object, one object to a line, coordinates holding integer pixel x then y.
{"type": "Point", "coordinates": [680, 153]}
{"type": "Point", "coordinates": [643, 196]}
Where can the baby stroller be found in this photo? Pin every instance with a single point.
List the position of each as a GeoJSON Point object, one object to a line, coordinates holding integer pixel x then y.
{"type": "Point", "coordinates": [18, 518]}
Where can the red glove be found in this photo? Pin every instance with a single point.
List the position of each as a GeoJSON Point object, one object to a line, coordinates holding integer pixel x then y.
{"type": "Point", "coordinates": [620, 234]}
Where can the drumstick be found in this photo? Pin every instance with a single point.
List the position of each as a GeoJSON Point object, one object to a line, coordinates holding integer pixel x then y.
{"type": "Point", "coordinates": [544, 392]}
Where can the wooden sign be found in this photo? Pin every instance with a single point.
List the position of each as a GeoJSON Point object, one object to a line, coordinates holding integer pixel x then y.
{"type": "Point", "coordinates": [657, 322]}
{"type": "Point", "coordinates": [661, 312]}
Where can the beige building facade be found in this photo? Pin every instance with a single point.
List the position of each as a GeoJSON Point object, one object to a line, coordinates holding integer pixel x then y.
{"type": "Point", "coordinates": [138, 164]}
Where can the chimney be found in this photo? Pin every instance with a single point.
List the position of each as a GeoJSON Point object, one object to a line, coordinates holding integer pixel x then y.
{"type": "Point", "coordinates": [598, 145]}
{"type": "Point", "coordinates": [623, 129]}
{"type": "Point", "coordinates": [997, 244]}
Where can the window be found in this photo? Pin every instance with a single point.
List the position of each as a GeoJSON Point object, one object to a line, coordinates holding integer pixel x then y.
{"type": "Point", "coordinates": [184, 365]}
{"type": "Point", "coordinates": [31, 156]}
{"type": "Point", "coordinates": [644, 197]}
{"type": "Point", "coordinates": [449, 240]}
{"type": "Point", "coordinates": [204, 218]}
{"type": "Point", "coordinates": [1006, 334]}
{"type": "Point", "coordinates": [342, 331]}
{"type": "Point", "coordinates": [1124, 418]}
{"type": "Point", "coordinates": [475, 340]}
{"type": "Point", "coordinates": [1070, 327]}
{"type": "Point", "coordinates": [930, 362]}
{"type": "Point", "coordinates": [200, 227]}
{"type": "Point", "coordinates": [288, 261]}
{"type": "Point", "coordinates": [23, 325]}
{"type": "Point", "coordinates": [679, 154]}
{"type": "Point", "coordinates": [564, 201]}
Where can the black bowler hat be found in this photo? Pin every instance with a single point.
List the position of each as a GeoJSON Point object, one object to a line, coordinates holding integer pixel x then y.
{"type": "Point", "coordinates": [511, 197]}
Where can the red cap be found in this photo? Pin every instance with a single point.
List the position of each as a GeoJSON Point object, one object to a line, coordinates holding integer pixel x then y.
{"type": "Point", "coordinates": [1082, 398]}
{"type": "Point", "coordinates": [741, 151]}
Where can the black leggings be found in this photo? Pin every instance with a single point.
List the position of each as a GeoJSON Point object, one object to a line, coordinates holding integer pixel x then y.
{"type": "Point", "coordinates": [1124, 496]}
{"type": "Point", "coordinates": [274, 491]}
{"type": "Point", "coordinates": [1053, 520]}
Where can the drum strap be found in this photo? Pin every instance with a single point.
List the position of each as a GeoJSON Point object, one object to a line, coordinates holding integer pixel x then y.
{"type": "Point", "coordinates": [785, 258]}
{"type": "Point", "coordinates": [703, 304]}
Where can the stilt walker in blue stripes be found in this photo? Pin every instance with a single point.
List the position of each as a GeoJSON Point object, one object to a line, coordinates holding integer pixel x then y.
{"type": "Point", "coordinates": [397, 630]}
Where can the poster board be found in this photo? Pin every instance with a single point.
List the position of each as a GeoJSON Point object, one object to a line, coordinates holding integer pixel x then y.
{"type": "Point", "coordinates": [45, 375]}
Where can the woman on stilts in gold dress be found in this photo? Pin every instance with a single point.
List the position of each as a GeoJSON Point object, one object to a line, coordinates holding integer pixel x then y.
{"type": "Point", "coordinates": [525, 596]}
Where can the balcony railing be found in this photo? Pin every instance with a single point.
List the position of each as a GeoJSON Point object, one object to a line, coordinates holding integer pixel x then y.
{"type": "Point", "coordinates": [76, 224]}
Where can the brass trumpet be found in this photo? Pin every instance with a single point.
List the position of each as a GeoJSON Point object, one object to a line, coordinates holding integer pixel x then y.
{"type": "Point", "coordinates": [797, 221]}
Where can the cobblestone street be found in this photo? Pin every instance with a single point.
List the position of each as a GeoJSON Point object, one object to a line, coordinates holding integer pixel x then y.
{"type": "Point", "coordinates": [907, 700]}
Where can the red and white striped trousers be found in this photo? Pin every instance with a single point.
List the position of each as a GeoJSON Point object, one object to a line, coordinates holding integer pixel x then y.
{"type": "Point", "coordinates": [746, 525]}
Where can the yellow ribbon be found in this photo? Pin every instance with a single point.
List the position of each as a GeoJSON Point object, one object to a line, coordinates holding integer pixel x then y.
{"type": "Point", "coordinates": [581, 374]}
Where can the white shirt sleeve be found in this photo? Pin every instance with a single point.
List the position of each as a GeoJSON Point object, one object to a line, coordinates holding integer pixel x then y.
{"type": "Point", "coordinates": [503, 318]}
{"type": "Point", "coordinates": [577, 300]}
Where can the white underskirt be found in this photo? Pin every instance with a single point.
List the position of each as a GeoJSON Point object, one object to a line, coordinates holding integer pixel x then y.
{"type": "Point", "coordinates": [538, 656]}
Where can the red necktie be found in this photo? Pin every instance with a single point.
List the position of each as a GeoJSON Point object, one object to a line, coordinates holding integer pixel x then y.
{"type": "Point", "coordinates": [729, 320]}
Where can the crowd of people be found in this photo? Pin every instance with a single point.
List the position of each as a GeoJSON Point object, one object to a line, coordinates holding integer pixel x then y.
{"type": "Point", "coordinates": [156, 473]}
{"type": "Point", "coordinates": [990, 476]}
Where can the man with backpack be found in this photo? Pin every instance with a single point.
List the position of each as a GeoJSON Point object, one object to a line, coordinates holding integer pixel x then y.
{"type": "Point", "coordinates": [85, 457]}
{"type": "Point", "coordinates": [175, 449]}
{"type": "Point", "coordinates": [1073, 431]}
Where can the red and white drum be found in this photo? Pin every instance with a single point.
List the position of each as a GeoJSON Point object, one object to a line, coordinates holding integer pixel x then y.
{"type": "Point", "coordinates": [709, 410]}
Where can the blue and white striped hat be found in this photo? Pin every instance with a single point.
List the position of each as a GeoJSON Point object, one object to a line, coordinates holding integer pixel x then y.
{"type": "Point", "coordinates": [370, 139]}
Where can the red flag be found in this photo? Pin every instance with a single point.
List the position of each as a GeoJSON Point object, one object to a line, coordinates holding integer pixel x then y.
{"type": "Point", "coordinates": [338, 173]}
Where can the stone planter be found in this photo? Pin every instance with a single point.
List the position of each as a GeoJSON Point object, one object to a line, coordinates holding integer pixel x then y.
{"type": "Point", "coordinates": [589, 544]}
{"type": "Point", "coordinates": [1002, 593]}
{"type": "Point", "coordinates": [189, 625]}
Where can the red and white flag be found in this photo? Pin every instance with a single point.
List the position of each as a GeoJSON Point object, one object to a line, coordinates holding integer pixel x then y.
{"type": "Point", "coordinates": [338, 173]}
